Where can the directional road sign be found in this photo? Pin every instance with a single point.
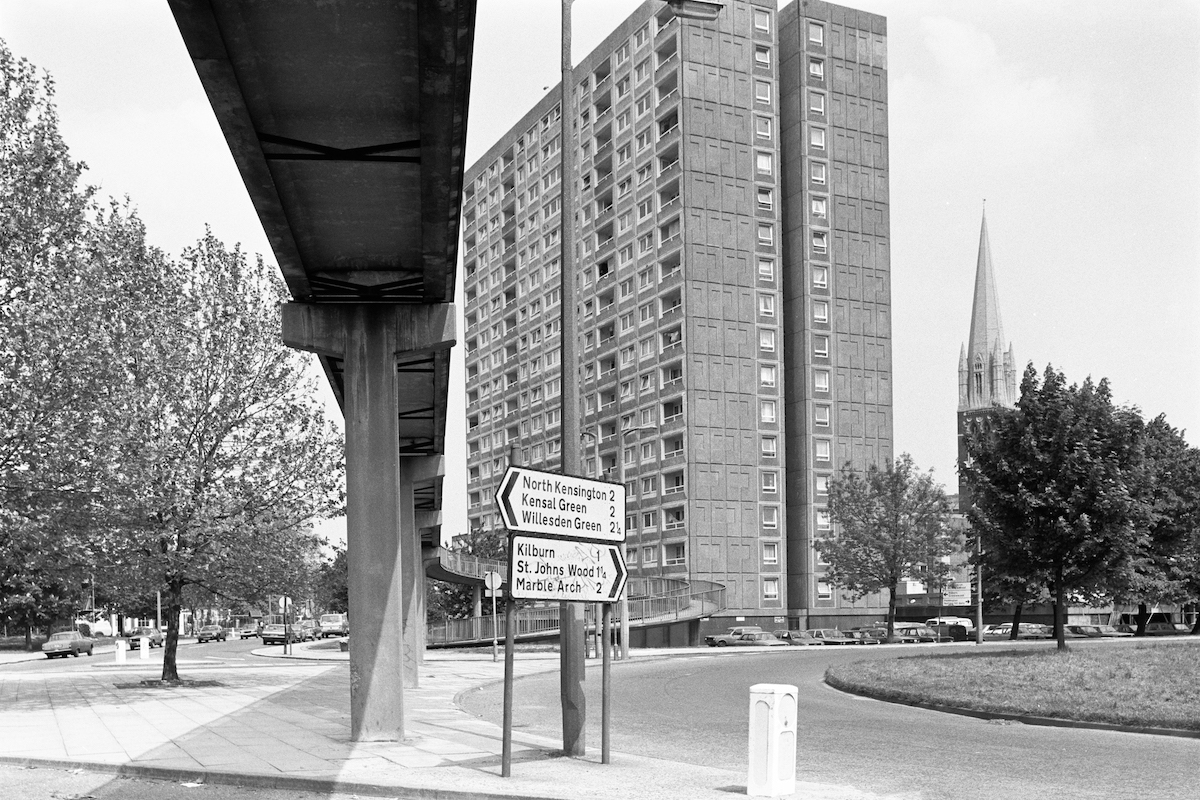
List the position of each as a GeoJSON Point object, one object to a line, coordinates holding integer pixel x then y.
{"type": "Point", "coordinates": [560, 569]}
{"type": "Point", "coordinates": [532, 501]}
{"type": "Point", "coordinates": [957, 594]}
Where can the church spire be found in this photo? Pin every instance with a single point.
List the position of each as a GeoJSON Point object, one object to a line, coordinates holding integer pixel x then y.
{"type": "Point", "coordinates": [984, 370]}
{"type": "Point", "coordinates": [986, 328]}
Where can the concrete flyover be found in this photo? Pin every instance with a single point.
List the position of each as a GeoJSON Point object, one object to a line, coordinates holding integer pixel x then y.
{"type": "Point", "coordinates": [659, 608]}
{"type": "Point", "coordinates": [347, 122]}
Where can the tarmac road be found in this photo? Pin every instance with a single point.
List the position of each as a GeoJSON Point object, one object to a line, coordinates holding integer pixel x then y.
{"type": "Point", "coordinates": [695, 710]}
{"type": "Point", "coordinates": [229, 652]}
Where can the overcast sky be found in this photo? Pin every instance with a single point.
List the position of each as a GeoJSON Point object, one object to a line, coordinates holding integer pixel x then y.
{"type": "Point", "coordinates": [1077, 121]}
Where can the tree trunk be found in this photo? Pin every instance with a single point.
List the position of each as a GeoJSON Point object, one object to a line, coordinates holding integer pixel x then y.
{"type": "Point", "coordinates": [891, 619]}
{"type": "Point", "coordinates": [1016, 623]}
{"type": "Point", "coordinates": [171, 645]}
{"type": "Point", "coordinates": [1060, 605]}
{"type": "Point", "coordinates": [1143, 616]}
{"type": "Point", "coordinates": [1195, 619]}
{"type": "Point", "coordinates": [28, 636]}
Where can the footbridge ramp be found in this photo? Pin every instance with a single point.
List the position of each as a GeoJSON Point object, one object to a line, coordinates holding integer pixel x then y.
{"type": "Point", "coordinates": [652, 602]}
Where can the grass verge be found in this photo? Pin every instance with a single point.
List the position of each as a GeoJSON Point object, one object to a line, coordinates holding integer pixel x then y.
{"type": "Point", "coordinates": [1143, 685]}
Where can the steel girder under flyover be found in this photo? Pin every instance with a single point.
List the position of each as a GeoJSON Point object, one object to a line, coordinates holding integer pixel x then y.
{"type": "Point", "coordinates": [347, 122]}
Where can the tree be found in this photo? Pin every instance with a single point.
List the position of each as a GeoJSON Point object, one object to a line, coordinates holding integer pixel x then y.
{"type": "Point", "coordinates": [153, 429]}
{"type": "Point", "coordinates": [1163, 570]}
{"type": "Point", "coordinates": [1053, 482]}
{"type": "Point", "coordinates": [891, 524]}
{"type": "Point", "coordinates": [229, 458]}
{"type": "Point", "coordinates": [1005, 583]}
{"type": "Point", "coordinates": [58, 356]}
{"type": "Point", "coordinates": [444, 600]}
{"type": "Point", "coordinates": [333, 584]}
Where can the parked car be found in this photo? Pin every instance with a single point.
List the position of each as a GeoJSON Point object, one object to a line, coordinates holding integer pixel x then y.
{"type": "Point", "coordinates": [897, 637]}
{"type": "Point", "coordinates": [725, 639]}
{"type": "Point", "coordinates": [862, 637]}
{"type": "Point", "coordinates": [759, 639]}
{"type": "Point", "coordinates": [309, 630]}
{"type": "Point", "coordinates": [953, 633]}
{"type": "Point", "coordinates": [966, 623]}
{"type": "Point", "coordinates": [1082, 631]}
{"type": "Point", "coordinates": [923, 632]}
{"type": "Point", "coordinates": [1028, 630]}
{"type": "Point", "coordinates": [1109, 632]}
{"type": "Point", "coordinates": [830, 636]}
{"type": "Point", "coordinates": [277, 633]}
{"type": "Point", "coordinates": [1167, 629]}
{"type": "Point", "coordinates": [68, 643]}
{"type": "Point", "coordinates": [798, 638]}
{"type": "Point", "coordinates": [334, 625]}
{"type": "Point", "coordinates": [247, 631]}
{"type": "Point", "coordinates": [135, 637]}
{"type": "Point", "coordinates": [210, 633]}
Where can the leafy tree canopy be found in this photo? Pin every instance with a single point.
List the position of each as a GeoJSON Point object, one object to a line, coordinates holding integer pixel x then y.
{"type": "Point", "coordinates": [1055, 482]}
{"type": "Point", "coordinates": [892, 523]}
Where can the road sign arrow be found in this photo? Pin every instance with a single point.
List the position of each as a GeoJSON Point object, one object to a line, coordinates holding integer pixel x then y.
{"type": "Point", "coordinates": [622, 573]}
{"type": "Point", "coordinates": [502, 498]}
{"type": "Point", "coordinates": [550, 504]}
{"type": "Point", "coordinates": [556, 569]}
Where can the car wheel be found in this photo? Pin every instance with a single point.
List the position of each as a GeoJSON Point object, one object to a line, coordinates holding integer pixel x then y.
{"type": "Point", "coordinates": [722, 644]}
{"type": "Point", "coordinates": [89, 652]}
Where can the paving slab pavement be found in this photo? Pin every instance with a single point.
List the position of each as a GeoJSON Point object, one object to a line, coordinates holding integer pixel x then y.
{"type": "Point", "coordinates": [285, 723]}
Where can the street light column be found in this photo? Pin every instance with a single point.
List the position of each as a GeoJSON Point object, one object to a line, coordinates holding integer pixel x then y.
{"type": "Point", "coordinates": [570, 615]}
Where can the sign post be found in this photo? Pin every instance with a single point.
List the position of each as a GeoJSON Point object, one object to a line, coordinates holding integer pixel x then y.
{"type": "Point", "coordinates": [492, 581]}
{"type": "Point", "coordinates": [566, 538]}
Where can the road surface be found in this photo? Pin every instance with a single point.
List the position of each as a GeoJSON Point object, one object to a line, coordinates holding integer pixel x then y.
{"type": "Point", "coordinates": [695, 709]}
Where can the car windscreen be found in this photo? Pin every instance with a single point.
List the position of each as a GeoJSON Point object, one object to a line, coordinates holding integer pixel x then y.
{"type": "Point", "coordinates": [61, 637]}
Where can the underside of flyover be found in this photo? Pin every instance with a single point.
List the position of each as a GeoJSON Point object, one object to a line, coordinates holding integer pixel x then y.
{"type": "Point", "coordinates": [347, 121]}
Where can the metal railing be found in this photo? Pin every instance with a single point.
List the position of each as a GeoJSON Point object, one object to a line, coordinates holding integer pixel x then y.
{"type": "Point", "coordinates": [653, 601]}
{"type": "Point", "coordinates": [469, 566]}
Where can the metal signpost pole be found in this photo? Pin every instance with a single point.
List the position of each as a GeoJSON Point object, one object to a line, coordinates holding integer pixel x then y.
{"type": "Point", "coordinates": [979, 590]}
{"type": "Point", "coordinates": [606, 686]}
{"type": "Point", "coordinates": [510, 626]}
{"type": "Point", "coordinates": [565, 544]}
{"type": "Point", "coordinates": [492, 581]}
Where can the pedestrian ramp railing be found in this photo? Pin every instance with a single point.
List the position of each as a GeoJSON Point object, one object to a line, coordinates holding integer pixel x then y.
{"type": "Point", "coordinates": [652, 601]}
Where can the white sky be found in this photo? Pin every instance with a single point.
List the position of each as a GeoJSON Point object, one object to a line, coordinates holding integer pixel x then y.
{"type": "Point", "coordinates": [1077, 121]}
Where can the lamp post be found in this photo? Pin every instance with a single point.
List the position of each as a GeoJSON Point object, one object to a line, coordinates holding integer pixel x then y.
{"type": "Point", "coordinates": [570, 615]}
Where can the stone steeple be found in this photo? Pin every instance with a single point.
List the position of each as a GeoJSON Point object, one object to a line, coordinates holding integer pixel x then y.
{"type": "Point", "coordinates": [986, 370]}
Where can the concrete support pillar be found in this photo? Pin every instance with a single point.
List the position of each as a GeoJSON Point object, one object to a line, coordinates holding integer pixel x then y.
{"type": "Point", "coordinates": [425, 520]}
{"type": "Point", "coordinates": [368, 339]}
{"type": "Point", "coordinates": [413, 606]}
{"type": "Point", "coordinates": [373, 524]}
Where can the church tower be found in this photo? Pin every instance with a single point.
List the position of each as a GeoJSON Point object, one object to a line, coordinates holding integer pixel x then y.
{"type": "Point", "coordinates": [987, 375]}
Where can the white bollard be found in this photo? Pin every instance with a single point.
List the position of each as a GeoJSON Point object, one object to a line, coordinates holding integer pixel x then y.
{"type": "Point", "coordinates": [772, 740]}
{"type": "Point", "coordinates": [122, 646]}
{"type": "Point", "coordinates": [144, 646]}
